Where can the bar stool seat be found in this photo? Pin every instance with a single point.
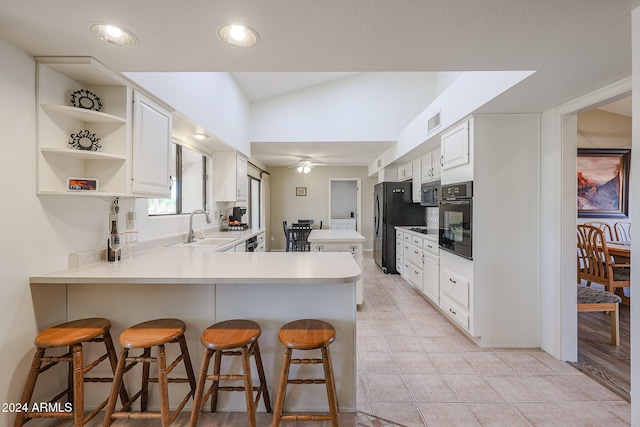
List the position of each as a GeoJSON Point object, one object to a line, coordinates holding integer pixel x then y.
{"type": "Point", "coordinates": [221, 339]}
{"type": "Point", "coordinates": [70, 334]}
{"type": "Point", "coordinates": [153, 333]}
{"type": "Point", "coordinates": [307, 334]}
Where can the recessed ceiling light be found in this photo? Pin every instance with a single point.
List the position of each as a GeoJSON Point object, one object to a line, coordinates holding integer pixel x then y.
{"type": "Point", "coordinates": [113, 34]}
{"type": "Point", "coordinates": [238, 35]}
{"type": "Point", "coordinates": [199, 136]}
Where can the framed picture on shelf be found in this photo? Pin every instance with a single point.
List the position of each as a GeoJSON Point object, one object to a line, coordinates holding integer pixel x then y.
{"type": "Point", "coordinates": [82, 184]}
{"type": "Point", "coordinates": [603, 182]}
{"type": "Point", "coordinates": [301, 191]}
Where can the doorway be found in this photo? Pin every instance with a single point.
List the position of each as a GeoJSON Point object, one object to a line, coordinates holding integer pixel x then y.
{"type": "Point", "coordinates": [345, 204]}
{"type": "Point", "coordinates": [559, 217]}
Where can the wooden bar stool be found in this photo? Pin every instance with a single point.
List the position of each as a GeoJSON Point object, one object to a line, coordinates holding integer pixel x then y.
{"type": "Point", "coordinates": [222, 339]}
{"type": "Point", "coordinates": [307, 334]}
{"type": "Point", "coordinates": [70, 334]}
{"type": "Point", "coordinates": [154, 333]}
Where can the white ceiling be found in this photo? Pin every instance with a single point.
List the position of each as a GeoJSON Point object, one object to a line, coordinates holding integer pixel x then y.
{"type": "Point", "coordinates": [575, 46]}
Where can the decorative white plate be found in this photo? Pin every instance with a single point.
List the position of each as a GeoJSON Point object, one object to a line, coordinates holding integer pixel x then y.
{"type": "Point", "coordinates": [86, 99]}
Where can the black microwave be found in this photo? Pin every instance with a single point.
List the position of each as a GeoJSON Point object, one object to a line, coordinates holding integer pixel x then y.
{"type": "Point", "coordinates": [429, 194]}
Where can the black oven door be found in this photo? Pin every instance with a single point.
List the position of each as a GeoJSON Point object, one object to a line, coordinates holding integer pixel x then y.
{"type": "Point", "coordinates": [456, 226]}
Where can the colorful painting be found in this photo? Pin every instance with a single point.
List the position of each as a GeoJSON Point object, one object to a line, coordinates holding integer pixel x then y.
{"type": "Point", "coordinates": [603, 182]}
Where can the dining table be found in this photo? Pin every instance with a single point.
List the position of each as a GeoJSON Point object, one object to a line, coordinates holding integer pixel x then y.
{"type": "Point", "coordinates": [620, 250]}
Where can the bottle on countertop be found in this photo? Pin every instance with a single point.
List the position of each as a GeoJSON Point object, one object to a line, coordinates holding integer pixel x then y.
{"type": "Point", "coordinates": [112, 254]}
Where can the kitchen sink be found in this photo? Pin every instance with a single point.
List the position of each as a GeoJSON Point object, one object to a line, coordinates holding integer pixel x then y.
{"type": "Point", "coordinates": [209, 242]}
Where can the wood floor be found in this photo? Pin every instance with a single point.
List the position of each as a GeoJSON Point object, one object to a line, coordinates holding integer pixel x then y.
{"type": "Point", "coordinates": [607, 364]}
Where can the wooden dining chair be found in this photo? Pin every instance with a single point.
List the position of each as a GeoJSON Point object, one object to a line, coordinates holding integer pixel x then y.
{"type": "Point", "coordinates": [595, 263]}
{"type": "Point", "coordinates": [609, 234]}
{"type": "Point", "coordinates": [623, 231]}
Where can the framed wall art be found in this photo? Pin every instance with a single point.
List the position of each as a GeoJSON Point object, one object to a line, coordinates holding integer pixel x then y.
{"type": "Point", "coordinates": [603, 182]}
{"type": "Point", "coordinates": [301, 191]}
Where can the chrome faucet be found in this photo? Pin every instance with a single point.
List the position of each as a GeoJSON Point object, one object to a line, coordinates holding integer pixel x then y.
{"type": "Point", "coordinates": [191, 235]}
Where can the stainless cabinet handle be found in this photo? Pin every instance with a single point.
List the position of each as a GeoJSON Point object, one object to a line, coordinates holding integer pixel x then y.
{"type": "Point", "coordinates": [451, 310]}
{"type": "Point", "coordinates": [452, 281]}
{"type": "Point", "coordinates": [319, 248]}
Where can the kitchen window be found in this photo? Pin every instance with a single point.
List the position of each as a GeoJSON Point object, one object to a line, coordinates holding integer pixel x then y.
{"type": "Point", "coordinates": [188, 171]}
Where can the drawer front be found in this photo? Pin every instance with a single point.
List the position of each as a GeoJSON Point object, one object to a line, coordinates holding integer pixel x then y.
{"type": "Point", "coordinates": [459, 315]}
{"type": "Point", "coordinates": [416, 241]}
{"type": "Point", "coordinates": [431, 247]}
{"type": "Point", "coordinates": [399, 247]}
{"type": "Point", "coordinates": [399, 235]}
{"type": "Point", "coordinates": [260, 238]}
{"type": "Point", "coordinates": [415, 276]}
{"type": "Point", "coordinates": [407, 237]}
{"type": "Point", "coordinates": [455, 287]}
{"type": "Point", "coordinates": [413, 254]}
{"type": "Point", "coordinates": [400, 265]}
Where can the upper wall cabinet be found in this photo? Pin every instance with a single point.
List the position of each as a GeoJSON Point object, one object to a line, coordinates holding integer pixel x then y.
{"type": "Point", "coordinates": [152, 126]}
{"type": "Point", "coordinates": [82, 116]}
{"type": "Point", "coordinates": [455, 146]}
{"type": "Point", "coordinates": [85, 126]}
{"type": "Point", "coordinates": [431, 165]}
{"type": "Point", "coordinates": [405, 172]}
{"type": "Point", "coordinates": [232, 181]}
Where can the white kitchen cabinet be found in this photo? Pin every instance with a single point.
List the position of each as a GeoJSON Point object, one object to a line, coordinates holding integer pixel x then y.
{"type": "Point", "coordinates": [343, 224]}
{"type": "Point", "coordinates": [431, 167]}
{"type": "Point", "coordinates": [431, 270]}
{"type": "Point", "coordinates": [58, 120]}
{"type": "Point", "coordinates": [341, 241]}
{"type": "Point", "coordinates": [261, 242]}
{"type": "Point", "coordinates": [416, 181]}
{"type": "Point", "coordinates": [454, 144]}
{"type": "Point", "coordinates": [232, 181]}
{"type": "Point", "coordinates": [152, 127]}
{"type": "Point", "coordinates": [456, 290]}
{"type": "Point", "coordinates": [405, 172]}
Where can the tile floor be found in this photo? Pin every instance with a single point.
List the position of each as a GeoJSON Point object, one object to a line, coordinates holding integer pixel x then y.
{"type": "Point", "coordinates": [416, 369]}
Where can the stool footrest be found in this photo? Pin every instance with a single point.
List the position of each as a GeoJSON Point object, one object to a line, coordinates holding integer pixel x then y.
{"type": "Point", "coordinates": [306, 361]}
{"type": "Point", "coordinates": [49, 415]}
{"type": "Point", "coordinates": [305, 417]}
{"type": "Point", "coordinates": [307, 381]}
{"type": "Point", "coordinates": [226, 377]}
{"type": "Point", "coordinates": [171, 380]}
{"type": "Point", "coordinates": [95, 363]}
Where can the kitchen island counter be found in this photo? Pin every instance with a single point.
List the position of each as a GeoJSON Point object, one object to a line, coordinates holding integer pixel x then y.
{"type": "Point", "coordinates": [202, 287]}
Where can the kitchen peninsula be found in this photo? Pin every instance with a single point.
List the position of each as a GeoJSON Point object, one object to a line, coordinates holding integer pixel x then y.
{"type": "Point", "coordinates": [201, 287]}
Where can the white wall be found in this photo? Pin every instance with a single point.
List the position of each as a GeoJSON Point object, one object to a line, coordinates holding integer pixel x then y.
{"type": "Point", "coordinates": [364, 107]}
{"type": "Point", "coordinates": [286, 206]}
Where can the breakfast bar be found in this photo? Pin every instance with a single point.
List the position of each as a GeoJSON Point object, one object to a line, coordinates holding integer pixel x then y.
{"type": "Point", "coordinates": [202, 287]}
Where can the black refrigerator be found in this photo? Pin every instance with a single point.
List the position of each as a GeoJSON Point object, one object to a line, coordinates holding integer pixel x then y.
{"type": "Point", "coordinates": [392, 205]}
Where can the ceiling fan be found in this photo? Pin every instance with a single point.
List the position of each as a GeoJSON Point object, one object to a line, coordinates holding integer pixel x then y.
{"type": "Point", "coordinates": [305, 165]}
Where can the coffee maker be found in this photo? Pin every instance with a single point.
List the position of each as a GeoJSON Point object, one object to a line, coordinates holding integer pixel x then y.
{"type": "Point", "coordinates": [238, 212]}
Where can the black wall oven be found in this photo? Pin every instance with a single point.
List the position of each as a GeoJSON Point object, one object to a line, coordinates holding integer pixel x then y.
{"type": "Point", "coordinates": [456, 219]}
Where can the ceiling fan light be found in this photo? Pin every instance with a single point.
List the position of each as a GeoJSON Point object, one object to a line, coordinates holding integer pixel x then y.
{"type": "Point", "coordinates": [306, 169]}
{"type": "Point", "coordinates": [299, 169]}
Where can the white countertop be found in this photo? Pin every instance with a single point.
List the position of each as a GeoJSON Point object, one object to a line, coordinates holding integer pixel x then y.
{"type": "Point", "coordinates": [201, 265]}
{"type": "Point", "coordinates": [319, 236]}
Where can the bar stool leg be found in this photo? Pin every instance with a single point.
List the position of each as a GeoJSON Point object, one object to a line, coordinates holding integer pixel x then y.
{"type": "Point", "coordinates": [331, 386]}
{"type": "Point", "coordinates": [78, 386]}
{"type": "Point", "coordinates": [248, 386]}
{"type": "Point", "coordinates": [163, 384]}
{"type": "Point", "coordinates": [187, 362]}
{"type": "Point", "coordinates": [258, 357]}
{"type": "Point", "coordinates": [216, 382]}
{"type": "Point", "coordinates": [117, 382]}
{"type": "Point", "coordinates": [202, 378]}
{"type": "Point", "coordinates": [146, 366]}
{"type": "Point", "coordinates": [113, 360]}
{"type": "Point", "coordinates": [282, 387]}
{"type": "Point", "coordinates": [31, 384]}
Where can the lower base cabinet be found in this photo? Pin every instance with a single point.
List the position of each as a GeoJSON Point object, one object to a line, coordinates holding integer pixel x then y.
{"type": "Point", "coordinates": [356, 250]}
